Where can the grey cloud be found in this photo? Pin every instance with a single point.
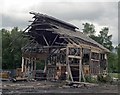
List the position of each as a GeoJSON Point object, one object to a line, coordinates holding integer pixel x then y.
{"type": "Point", "coordinates": [70, 11]}
{"type": "Point", "coordinates": [8, 21]}
{"type": "Point", "coordinates": [104, 14]}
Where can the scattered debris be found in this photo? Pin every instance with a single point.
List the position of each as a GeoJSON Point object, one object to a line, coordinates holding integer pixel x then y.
{"type": "Point", "coordinates": [52, 87]}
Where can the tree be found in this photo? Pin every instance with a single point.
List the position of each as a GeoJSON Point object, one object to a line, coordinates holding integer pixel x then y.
{"type": "Point", "coordinates": [11, 48]}
{"type": "Point", "coordinates": [6, 60]}
{"type": "Point", "coordinates": [113, 62]}
{"type": "Point", "coordinates": [105, 39]}
{"type": "Point", "coordinates": [89, 29]}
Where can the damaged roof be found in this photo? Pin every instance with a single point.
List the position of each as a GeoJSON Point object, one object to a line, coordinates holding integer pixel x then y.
{"type": "Point", "coordinates": [61, 27]}
{"type": "Point", "coordinates": [80, 35]}
{"type": "Point", "coordinates": [38, 15]}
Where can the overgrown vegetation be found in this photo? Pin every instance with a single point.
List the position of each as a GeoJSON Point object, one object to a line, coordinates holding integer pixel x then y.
{"type": "Point", "coordinates": [11, 48]}
{"type": "Point", "coordinates": [91, 79]}
{"type": "Point", "coordinates": [104, 78]}
{"type": "Point", "coordinates": [99, 79]}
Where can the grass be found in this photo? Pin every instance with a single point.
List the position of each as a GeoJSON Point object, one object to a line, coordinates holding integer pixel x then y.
{"type": "Point", "coordinates": [115, 75]}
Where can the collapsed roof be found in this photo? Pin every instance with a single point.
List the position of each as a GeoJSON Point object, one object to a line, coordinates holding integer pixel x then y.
{"type": "Point", "coordinates": [47, 30]}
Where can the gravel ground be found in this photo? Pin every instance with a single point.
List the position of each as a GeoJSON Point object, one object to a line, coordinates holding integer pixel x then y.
{"type": "Point", "coordinates": [42, 87]}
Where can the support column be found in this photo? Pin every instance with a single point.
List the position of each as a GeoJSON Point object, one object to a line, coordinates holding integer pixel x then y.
{"type": "Point", "coordinates": [69, 72]}
{"type": "Point", "coordinates": [45, 68]}
{"type": "Point", "coordinates": [31, 61]}
{"type": "Point", "coordinates": [106, 63]}
{"type": "Point", "coordinates": [22, 64]}
{"type": "Point", "coordinates": [26, 64]}
{"type": "Point", "coordinates": [90, 62]}
{"type": "Point", "coordinates": [67, 75]}
{"type": "Point", "coordinates": [99, 64]}
{"type": "Point", "coordinates": [25, 67]}
{"type": "Point", "coordinates": [81, 73]}
{"type": "Point", "coordinates": [29, 68]}
{"type": "Point", "coordinates": [35, 64]}
{"type": "Point", "coordinates": [80, 66]}
{"type": "Point", "coordinates": [68, 69]}
{"type": "Point", "coordinates": [34, 67]}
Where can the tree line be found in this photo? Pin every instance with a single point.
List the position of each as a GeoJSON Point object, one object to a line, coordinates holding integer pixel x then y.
{"type": "Point", "coordinates": [11, 48]}
{"type": "Point", "coordinates": [11, 53]}
{"type": "Point", "coordinates": [104, 39]}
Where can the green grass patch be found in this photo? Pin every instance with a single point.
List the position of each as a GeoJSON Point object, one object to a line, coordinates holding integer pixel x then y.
{"type": "Point", "coordinates": [115, 75]}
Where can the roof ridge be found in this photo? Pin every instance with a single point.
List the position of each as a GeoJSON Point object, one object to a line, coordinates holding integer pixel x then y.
{"type": "Point", "coordinates": [53, 18]}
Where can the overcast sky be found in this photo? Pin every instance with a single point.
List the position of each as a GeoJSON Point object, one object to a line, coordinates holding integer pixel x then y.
{"type": "Point", "coordinates": [101, 14]}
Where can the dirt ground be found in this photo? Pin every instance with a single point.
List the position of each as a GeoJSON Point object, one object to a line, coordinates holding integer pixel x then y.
{"type": "Point", "coordinates": [42, 87]}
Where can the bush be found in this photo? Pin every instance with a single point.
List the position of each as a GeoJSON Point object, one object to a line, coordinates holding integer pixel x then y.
{"type": "Point", "coordinates": [91, 79]}
{"type": "Point", "coordinates": [104, 78]}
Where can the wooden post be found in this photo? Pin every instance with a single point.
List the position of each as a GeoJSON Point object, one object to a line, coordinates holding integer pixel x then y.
{"type": "Point", "coordinates": [68, 65]}
{"type": "Point", "coordinates": [90, 65]}
{"type": "Point", "coordinates": [26, 64]}
{"type": "Point", "coordinates": [24, 67]}
{"type": "Point", "coordinates": [80, 71]}
{"type": "Point", "coordinates": [32, 68]}
{"type": "Point", "coordinates": [67, 75]}
{"type": "Point", "coordinates": [70, 73]}
{"type": "Point", "coordinates": [106, 62]}
{"type": "Point", "coordinates": [99, 64]}
{"type": "Point", "coordinates": [67, 60]}
{"type": "Point", "coordinates": [80, 65]}
{"type": "Point", "coordinates": [35, 66]}
{"type": "Point", "coordinates": [45, 68]}
{"type": "Point", "coordinates": [83, 75]}
{"type": "Point", "coordinates": [22, 64]}
{"type": "Point", "coordinates": [29, 63]}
